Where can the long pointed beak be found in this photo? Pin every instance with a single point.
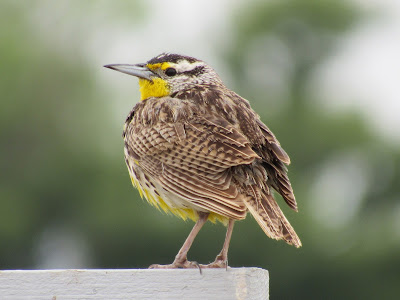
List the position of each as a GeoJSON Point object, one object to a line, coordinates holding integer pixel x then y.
{"type": "Point", "coordinates": [138, 70]}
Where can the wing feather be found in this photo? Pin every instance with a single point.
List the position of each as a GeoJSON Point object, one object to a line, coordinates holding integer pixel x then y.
{"type": "Point", "coordinates": [193, 160]}
{"type": "Point", "coordinates": [275, 159]}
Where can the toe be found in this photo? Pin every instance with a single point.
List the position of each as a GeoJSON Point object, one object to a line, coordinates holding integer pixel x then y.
{"type": "Point", "coordinates": [217, 264]}
{"type": "Point", "coordinates": [185, 264]}
{"type": "Point", "coordinates": [156, 266]}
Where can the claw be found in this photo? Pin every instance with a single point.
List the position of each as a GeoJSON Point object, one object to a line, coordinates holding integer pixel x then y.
{"type": "Point", "coordinates": [218, 263]}
{"type": "Point", "coordinates": [184, 264]}
{"type": "Point", "coordinates": [181, 262]}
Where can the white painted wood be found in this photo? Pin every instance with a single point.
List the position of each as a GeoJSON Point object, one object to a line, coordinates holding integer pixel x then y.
{"type": "Point", "coordinates": [221, 284]}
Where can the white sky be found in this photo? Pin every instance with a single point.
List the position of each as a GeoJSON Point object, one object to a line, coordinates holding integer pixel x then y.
{"type": "Point", "coordinates": [364, 75]}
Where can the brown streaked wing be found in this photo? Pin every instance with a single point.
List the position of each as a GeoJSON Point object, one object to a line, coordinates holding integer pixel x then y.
{"type": "Point", "coordinates": [274, 159]}
{"type": "Point", "coordinates": [195, 162]}
{"type": "Point", "coordinates": [275, 146]}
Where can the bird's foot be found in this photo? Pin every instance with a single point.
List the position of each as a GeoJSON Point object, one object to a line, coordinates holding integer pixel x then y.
{"type": "Point", "coordinates": [178, 264]}
{"type": "Point", "coordinates": [219, 262]}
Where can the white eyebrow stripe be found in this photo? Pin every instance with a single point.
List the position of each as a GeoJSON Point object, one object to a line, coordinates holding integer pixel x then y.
{"type": "Point", "coordinates": [184, 65]}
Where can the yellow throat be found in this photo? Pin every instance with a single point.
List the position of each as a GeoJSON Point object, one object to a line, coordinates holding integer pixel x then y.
{"type": "Point", "coordinates": [157, 87]}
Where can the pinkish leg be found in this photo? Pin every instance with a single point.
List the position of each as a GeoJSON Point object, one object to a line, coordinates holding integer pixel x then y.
{"type": "Point", "coordinates": [181, 258]}
{"type": "Point", "coordinates": [221, 261]}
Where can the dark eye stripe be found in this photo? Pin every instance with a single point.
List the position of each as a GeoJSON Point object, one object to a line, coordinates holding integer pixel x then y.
{"type": "Point", "coordinates": [195, 72]}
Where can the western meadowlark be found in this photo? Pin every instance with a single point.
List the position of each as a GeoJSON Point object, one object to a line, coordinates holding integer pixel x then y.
{"type": "Point", "coordinates": [197, 149]}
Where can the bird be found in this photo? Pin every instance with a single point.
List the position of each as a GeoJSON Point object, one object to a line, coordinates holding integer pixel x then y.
{"type": "Point", "coordinates": [196, 149]}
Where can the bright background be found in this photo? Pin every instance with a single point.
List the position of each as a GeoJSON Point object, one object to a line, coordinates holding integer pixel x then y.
{"type": "Point", "coordinates": [323, 75]}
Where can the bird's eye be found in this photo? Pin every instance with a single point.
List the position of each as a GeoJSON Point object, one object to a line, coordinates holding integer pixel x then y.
{"type": "Point", "coordinates": [170, 72]}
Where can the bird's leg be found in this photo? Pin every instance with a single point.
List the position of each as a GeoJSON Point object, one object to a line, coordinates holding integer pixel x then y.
{"type": "Point", "coordinates": [221, 261]}
{"type": "Point", "coordinates": [181, 258]}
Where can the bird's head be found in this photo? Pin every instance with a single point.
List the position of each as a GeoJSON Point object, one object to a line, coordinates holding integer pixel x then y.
{"type": "Point", "coordinates": [168, 73]}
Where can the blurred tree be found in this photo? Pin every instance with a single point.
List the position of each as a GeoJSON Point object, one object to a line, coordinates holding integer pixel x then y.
{"type": "Point", "coordinates": [344, 181]}
{"type": "Point", "coordinates": [56, 170]}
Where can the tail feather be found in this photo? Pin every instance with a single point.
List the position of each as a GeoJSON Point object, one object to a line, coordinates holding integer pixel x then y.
{"type": "Point", "coordinates": [271, 219]}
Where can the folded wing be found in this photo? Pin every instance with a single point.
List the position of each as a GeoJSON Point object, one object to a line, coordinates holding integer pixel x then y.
{"type": "Point", "coordinates": [193, 160]}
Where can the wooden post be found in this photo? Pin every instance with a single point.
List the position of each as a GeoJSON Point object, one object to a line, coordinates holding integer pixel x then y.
{"type": "Point", "coordinates": [234, 283]}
